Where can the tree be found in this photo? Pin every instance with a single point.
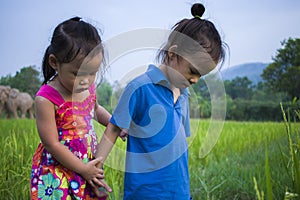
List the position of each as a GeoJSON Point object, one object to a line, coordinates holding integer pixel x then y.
{"type": "Point", "coordinates": [26, 80]}
{"type": "Point", "coordinates": [201, 89]}
{"type": "Point", "coordinates": [283, 75]}
{"type": "Point", "coordinates": [239, 87]}
{"type": "Point", "coordinates": [199, 101]}
{"type": "Point", "coordinates": [104, 95]}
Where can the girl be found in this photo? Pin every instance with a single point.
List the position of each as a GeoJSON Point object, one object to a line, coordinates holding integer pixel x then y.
{"type": "Point", "coordinates": [63, 166]}
{"type": "Point", "coordinates": [154, 110]}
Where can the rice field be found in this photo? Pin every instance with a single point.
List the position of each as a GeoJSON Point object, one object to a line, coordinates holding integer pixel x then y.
{"type": "Point", "coordinates": [251, 160]}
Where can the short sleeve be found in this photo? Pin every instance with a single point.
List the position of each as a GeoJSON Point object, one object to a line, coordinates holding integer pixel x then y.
{"type": "Point", "coordinates": [185, 113]}
{"type": "Point", "coordinates": [186, 122]}
{"type": "Point", "coordinates": [126, 107]}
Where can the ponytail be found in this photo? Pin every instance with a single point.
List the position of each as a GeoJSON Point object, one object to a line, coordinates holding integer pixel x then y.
{"type": "Point", "coordinates": [48, 71]}
{"type": "Point", "coordinates": [70, 38]}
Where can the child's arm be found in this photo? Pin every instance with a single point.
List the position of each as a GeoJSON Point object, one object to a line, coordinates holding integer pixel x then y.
{"type": "Point", "coordinates": [108, 139]}
{"type": "Point", "coordinates": [101, 115]}
{"type": "Point", "coordinates": [46, 125]}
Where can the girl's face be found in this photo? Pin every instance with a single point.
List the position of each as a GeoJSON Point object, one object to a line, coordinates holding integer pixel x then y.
{"type": "Point", "coordinates": [78, 75]}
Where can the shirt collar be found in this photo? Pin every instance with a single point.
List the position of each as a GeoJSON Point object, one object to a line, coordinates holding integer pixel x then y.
{"type": "Point", "coordinates": [157, 77]}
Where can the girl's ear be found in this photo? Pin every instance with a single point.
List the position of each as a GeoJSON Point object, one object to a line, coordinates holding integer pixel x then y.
{"type": "Point", "coordinates": [53, 62]}
{"type": "Point", "coordinates": [172, 51]}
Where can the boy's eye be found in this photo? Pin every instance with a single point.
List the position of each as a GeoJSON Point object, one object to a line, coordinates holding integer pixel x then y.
{"type": "Point", "coordinates": [194, 71]}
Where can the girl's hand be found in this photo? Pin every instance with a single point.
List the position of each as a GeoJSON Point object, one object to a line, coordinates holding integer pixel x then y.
{"type": "Point", "coordinates": [91, 173]}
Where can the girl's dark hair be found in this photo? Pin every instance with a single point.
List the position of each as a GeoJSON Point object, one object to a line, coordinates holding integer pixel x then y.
{"type": "Point", "coordinates": [199, 30]}
{"type": "Point", "coordinates": [70, 38]}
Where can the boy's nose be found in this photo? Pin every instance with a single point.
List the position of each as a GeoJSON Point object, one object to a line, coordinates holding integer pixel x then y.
{"type": "Point", "coordinates": [194, 80]}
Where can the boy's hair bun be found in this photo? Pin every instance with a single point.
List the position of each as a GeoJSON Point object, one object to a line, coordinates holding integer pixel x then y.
{"type": "Point", "coordinates": [197, 10]}
{"type": "Point", "coordinates": [76, 19]}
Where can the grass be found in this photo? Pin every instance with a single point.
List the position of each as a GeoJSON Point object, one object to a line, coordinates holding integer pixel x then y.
{"type": "Point", "coordinates": [228, 171]}
{"type": "Point", "coordinates": [18, 142]}
{"type": "Point", "coordinates": [234, 169]}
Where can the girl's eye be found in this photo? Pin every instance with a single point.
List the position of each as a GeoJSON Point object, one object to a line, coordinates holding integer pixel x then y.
{"type": "Point", "coordinates": [93, 73]}
{"type": "Point", "coordinates": [80, 74]}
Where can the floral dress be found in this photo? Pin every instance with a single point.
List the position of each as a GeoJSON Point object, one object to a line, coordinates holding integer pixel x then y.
{"type": "Point", "coordinates": [49, 179]}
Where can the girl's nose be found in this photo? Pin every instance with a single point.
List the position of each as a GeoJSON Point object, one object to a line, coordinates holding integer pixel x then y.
{"type": "Point", "coordinates": [84, 81]}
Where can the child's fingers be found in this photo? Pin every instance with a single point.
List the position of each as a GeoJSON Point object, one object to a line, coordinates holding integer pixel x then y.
{"type": "Point", "coordinates": [97, 161]}
{"type": "Point", "coordinates": [92, 184]}
{"type": "Point", "coordinates": [123, 138]}
{"type": "Point", "coordinates": [97, 182]}
{"type": "Point", "coordinates": [100, 176]}
{"type": "Point", "coordinates": [104, 184]}
{"type": "Point", "coordinates": [124, 134]}
{"type": "Point", "coordinates": [96, 191]}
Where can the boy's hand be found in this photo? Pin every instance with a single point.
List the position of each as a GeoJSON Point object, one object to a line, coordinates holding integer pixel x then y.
{"type": "Point", "coordinates": [123, 134]}
{"type": "Point", "coordinates": [100, 183]}
{"type": "Point", "coordinates": [99, 192]}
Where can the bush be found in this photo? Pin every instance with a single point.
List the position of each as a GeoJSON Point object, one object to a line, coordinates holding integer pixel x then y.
{"type": "Point", "coordinates": [251, 110]}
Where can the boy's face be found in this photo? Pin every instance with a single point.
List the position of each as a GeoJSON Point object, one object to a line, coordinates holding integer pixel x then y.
{"type": "Point", "coordinates": [181, 73]}
{"type": "Point", "coordinates": [185, 70]}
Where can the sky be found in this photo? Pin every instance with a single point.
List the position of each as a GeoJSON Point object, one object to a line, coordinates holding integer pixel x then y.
{"type": "Point", "coordinates": [253, 30]}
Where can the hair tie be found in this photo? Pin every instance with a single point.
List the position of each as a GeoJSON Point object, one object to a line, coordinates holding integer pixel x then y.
{"type": "Point", "coordinates": [197, 16]}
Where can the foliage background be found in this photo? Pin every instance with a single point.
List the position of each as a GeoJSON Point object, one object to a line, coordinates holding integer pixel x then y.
{"type": "Point", "coordinates": [251, 160]}
{"type": "Point", "coordinates": [245, 100]}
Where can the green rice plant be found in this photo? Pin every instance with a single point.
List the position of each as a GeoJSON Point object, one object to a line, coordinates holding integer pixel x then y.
{"type": "Point", "coordinates": [238, 156]}
{"type": "Point", "coordinates": [225, 173]}
{"type": "Point", "coordinates": [260, 194]}
{"type": "Point", "coordinates": [268, 178]}
{"type": "Point", "coordinates": [18, 142]}
{"type": "Point", "coordinates": [290, 160]}
{"type": "Point", "coordinates": [294, 154]}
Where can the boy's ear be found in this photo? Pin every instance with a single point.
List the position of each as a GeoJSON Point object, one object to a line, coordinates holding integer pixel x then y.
{"type": "Point", "coordinates": [172, 51]}
{"type": "Point", "coordinates": [53, 62]}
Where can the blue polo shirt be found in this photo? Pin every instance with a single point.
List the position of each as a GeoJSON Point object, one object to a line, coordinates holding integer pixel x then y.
{"type": "Point", "coordinates": [157, 150]}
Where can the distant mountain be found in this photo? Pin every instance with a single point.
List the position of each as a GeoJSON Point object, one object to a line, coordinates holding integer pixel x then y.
{"type": "Point", "coordinates": [251, 70]}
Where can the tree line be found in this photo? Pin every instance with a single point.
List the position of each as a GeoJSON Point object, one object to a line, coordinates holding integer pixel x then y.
{"type": "Point", "coordinates": [245, 100]}
{"type": "Point", "coordinates": [261, 102]}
